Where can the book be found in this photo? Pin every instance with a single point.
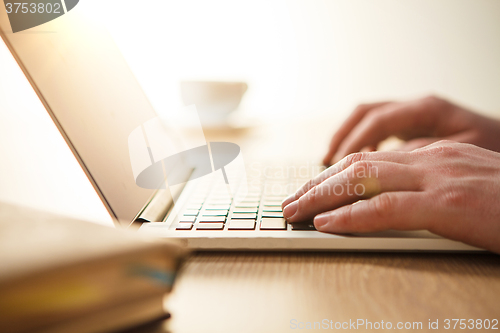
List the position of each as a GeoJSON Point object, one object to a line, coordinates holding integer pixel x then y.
{"type": "Point", "coordinates": [58, 274]}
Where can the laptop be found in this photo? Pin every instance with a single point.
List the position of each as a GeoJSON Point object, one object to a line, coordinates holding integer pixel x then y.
{"type": "Point", "coordinates": [95, 101]}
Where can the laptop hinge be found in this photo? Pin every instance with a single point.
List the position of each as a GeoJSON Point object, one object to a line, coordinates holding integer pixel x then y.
{"type": "Point", "coordinates": [157, 208]}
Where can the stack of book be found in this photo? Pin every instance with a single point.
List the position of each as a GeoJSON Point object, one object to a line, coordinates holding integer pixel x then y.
{"type": "Point", "coordinates": [63, 275]}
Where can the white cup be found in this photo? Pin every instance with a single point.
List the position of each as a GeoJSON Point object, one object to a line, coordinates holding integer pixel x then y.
{"type": "Point", "coordinates": [214, 100]}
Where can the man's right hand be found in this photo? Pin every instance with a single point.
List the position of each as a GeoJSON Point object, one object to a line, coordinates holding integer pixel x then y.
{"type": "Point", "coordinates": [419, 123]}
{"type": "Point", "coordinates": [451, 189]}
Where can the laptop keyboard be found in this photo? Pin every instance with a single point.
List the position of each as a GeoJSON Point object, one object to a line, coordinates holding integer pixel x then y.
{"type": "Point", "coordinates": [212, 207]}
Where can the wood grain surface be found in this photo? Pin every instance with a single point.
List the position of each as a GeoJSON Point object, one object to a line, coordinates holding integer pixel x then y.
{"type": "Point", "coordinates": [263, 292]}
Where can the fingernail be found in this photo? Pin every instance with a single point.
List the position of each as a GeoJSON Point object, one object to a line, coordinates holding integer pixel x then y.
{"type": "Point", "coordinates": [291, 209]}
{"type": "Point", "coordinates": [289, 199]}
{"type": "Point", "coordinates": [321, 220]}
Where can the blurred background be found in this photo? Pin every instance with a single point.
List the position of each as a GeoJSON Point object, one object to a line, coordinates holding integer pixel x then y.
{"type": "Point", "coordinates": [304, 62]}
{"type": "Point", "coordinates": [319, 56]}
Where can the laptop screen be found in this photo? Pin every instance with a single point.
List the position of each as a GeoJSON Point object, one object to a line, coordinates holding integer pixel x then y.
{"type": "Point", "coordinates": [91, 94]}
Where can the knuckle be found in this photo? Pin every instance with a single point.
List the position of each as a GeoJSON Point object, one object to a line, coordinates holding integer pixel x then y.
{"type": "Point", "coordinates": [382, 205]}
{"type": "Point", "coordinates": [312, 197]}
{"type": "Point", "coordinates": [434, 100]}
{"type": "Point", "coordinates": [361, 107]}
{"type": "Point", "coordinates": [443, 148]}
{"type": "Point", "coordinates": [344, 218]}
{"type": "Point", "coordinates": [353, 158]}
{"type": "Point", "coordinates": [359, 168]}
{"type": "Point", "coordinates": [436, 103]}
{"type": "Point", "coordinates": [445, 142]}
{"type": "Point", "coordinates": [379, 118]}
{"type": "Point", "coordinates": [301, 192]}
{"type": "Point", "coordinates": [307, 186]}
{"type": "Point", "coordinates": [453, 197]}
{"type": "Point", "coordinates": [374, 116]}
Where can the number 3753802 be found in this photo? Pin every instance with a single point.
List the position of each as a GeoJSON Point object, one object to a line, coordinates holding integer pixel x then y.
{"type": "Point", "coordinates": [33, 8]}
{"type": "Point", "coordinates": [471, 324]}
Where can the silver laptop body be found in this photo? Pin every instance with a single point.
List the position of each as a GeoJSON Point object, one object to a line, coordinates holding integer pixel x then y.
{"type": "Point", "coordinates": [89, 91]}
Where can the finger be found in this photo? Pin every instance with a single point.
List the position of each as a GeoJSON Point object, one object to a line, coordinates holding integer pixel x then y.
{"type": "Point", "coordinates": [368, 149]}
{"type": "Point", "coordinates": [396, 157]}
{"type": "Point", "coordinates": [361, 180]}
{"type": "Point", "coordinates": [466, 136]}
{"type": "Point", "coordinates": [409, 119]}
{"type": "Point", "coordinates": [389, 210]}
{"type": "Point", "coordinates": [417, 143]}
{"type": "Point", "coordinates": [346, 127]}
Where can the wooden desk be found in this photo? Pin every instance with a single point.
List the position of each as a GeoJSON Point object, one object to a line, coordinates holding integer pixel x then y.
{"type": "Point", "coordinates": [263, 292]}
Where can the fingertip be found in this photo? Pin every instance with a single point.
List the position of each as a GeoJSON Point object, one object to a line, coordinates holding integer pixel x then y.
{"type": "Point", "coordinates": [321, 221]}
{"type": "Point", "coordinates": [327, 160]}
{"type": "Point", "coordinates": [287, 201]}
{"type": "Point", "coordinates": [290, 210]}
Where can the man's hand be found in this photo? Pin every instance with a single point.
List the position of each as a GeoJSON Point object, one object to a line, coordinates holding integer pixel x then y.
{"type": "Point", "coordinates": [419, 122]}
{"type": "Point", "coordinates": [451, 189]}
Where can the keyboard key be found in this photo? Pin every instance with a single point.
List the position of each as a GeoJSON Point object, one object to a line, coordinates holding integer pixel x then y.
{"type": "Point", "coordinates": [184, 226]}
{"type": "Point", "coordinates": [217, 207]}
{"type": "Point", "coordinates": [253, 195]}
{"type": "Point", "coordinates": [241, 225]}
{"type": "Point", "coordinates": [210, 226]}
{"type": "Point", "coordinates": [273, 224]}
{"type": "Point", "coordinates": [275, 198]}
{"type": "Point", "coordinates": [209, 219]}
{"type": "Point", "coordinates": [246, 210]}
{"type": "Point", "coordinates": [187, 218]}
{"type": "Point", "coordinates": [250, 199]}
{"type": "Point", "coordinates": [219, 202]}
{"type": "Point", "coordinates": [272, 214]}
{"type": "Point", "coordinates": [222, 192]}
{"type": "Point", "coordinates": [244, 216]}
{"type": "Point", "coordinates": [272, 209]}
{"type": "Point", "coordinates": [303, 226]}
{"type": "Point", "coordinates": [275, 192]}
{"type": "Point", "coordinates": [215, 213]}
{"type": "Point", "coordinates": [248, 204]}
{"type": "Point", "coordinates": [273, 203]}
{"type": "Point", "coordinates": [197, 201]}
{"type": "Point", "coordinates": [191, 212]}
{"type": "Point", "coordinates": [196, 206]}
